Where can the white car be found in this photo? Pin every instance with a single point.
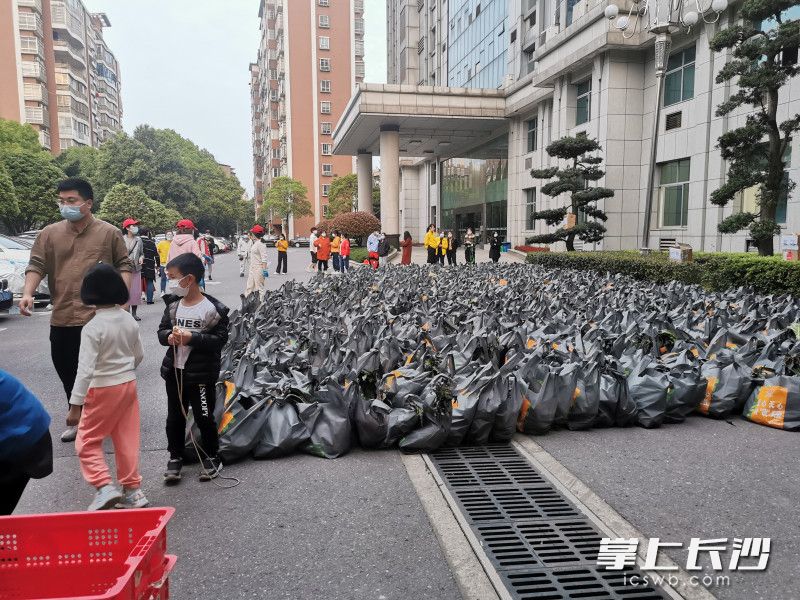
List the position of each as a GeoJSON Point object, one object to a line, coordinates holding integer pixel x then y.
{"type": "Point", "coordinates": [14, 257]}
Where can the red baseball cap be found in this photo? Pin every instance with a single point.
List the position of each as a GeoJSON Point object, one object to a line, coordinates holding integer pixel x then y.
{"type": "Point", "coordinates": [184, 224]}
{"type": "Point", "coordinates": [129, 222]}
{"type": "Point", "coordinates": [257, 229]}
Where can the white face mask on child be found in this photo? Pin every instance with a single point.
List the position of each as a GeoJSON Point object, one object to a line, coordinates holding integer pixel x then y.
{"type": "Point", "coordinates": [174, 287]}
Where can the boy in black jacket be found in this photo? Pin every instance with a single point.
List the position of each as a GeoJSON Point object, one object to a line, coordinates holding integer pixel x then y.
{"type": "Point", "coordinates": [195, 327]}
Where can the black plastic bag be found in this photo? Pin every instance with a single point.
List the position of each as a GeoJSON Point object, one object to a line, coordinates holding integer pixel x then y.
{"type": "Point", "coordinates": [435, 413]}
{"type": "Point", "coordinates": [687, 390]}
{"type": "Point", "coordinates": [328, 423]}
{"type": "Point", "coordinates": [282, 433]}
{"type": "Point", "coordinates": [648, 387]}
{"type": "Point", "coordinates": [240, 429]}
{"type": "Point", "coordinates": [776, 403]}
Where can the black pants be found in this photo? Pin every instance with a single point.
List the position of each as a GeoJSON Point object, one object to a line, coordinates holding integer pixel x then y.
{"type": "Point", "coordinates": [65, 345]}
{"type": "Point", "coordinates": [35, 463]}
{"type": "Point", "coordinates": [432, 260]}
{"type": "Point", "coordinates": [440, 258]}
{"type": "Point", "coordinates": [451, 257]}
{"type": "Point", "coordinates": [201, 399]}
{"type": "Point", "coordinates": [281, 261]}
{"type": "Point", "coordinates": [322, 265]}
{"type": "Point", "coordinates": [469, 254]}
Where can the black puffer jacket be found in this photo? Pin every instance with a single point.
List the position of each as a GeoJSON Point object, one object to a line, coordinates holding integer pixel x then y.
{"type": "Point", "coordinates": [203, 363]}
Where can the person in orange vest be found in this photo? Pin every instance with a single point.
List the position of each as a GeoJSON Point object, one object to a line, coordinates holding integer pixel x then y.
{"type": "Point", "coordinates": [283, 246]}
{"type": "Point", "coordinates": [335, 245]}
{"type": "Point", "coordinates": [323, 246]}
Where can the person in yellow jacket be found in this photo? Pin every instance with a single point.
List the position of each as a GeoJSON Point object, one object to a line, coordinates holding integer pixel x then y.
{"type": "Point", "coordinates": [163, 257]}
{"type": "Point", "coordinates": [336, 243]}
{"type": "Point", "coordinates": [283, 246]}
{"type": "Point", "coordinates": [443, 246]}
{"type": "Point", "coordinates": [431, 243]}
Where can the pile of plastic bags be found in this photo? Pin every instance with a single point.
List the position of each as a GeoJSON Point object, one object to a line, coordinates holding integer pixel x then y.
{"type": "Point", "coordinates": [421, 357]}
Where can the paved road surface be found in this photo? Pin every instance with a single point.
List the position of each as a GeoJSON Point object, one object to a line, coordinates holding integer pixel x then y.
{"type": "Point", "coordinates": [299, 527]}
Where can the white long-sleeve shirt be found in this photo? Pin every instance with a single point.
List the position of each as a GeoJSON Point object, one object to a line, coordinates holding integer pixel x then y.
{"type": "Point", "coordinates": [110, 352]}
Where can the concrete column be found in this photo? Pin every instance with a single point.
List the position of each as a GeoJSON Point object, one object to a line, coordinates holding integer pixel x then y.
{"type": "Point", "coordinates": [364, 169]}
{"type": "Point", "coordinates": [390, 189]}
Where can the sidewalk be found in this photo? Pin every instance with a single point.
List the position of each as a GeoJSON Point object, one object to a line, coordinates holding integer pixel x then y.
{"type": "Point", "coordinates": [419, 256]}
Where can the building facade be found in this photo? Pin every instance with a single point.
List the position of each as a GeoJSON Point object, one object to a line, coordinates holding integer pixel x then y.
{"type": "Point", "coordinates": [58, 73]}
{"type": "Point", "coordinates": [310, 57]}
{"type": "Point", "coordinates": [561, 69]}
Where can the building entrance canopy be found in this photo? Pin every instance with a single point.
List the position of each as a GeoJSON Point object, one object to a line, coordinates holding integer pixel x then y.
{"type": "Point", "coordinates": [431, 121]}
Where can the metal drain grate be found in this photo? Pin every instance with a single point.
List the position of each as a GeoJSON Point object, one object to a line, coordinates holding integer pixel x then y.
{"type": "Point", "coordinates": [577, 583]}
{"type": "Point", "coordinates": [541, 544]}
{"type": "Point", "coordinates": [529, 502]}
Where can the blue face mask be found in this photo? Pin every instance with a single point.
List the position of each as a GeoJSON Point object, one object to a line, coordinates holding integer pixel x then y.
{"type": "Point", "coordinates": [71, 213]}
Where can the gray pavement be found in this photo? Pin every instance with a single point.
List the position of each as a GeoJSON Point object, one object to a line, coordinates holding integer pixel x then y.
{"type": "Point", "coordinates": [702, 478]}
{"type": "Point", "coordinates": [298, 527]}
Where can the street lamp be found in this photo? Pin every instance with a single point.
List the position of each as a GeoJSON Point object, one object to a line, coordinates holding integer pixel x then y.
{"type": "Point", "coordinates": [662, 18]}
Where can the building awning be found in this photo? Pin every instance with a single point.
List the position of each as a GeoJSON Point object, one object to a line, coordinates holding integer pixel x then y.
{"type": "Point", "coordinates": [432, 121]}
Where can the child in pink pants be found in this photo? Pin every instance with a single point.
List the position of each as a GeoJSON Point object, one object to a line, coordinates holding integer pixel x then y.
{"type": "Point", "coordinates": [104, 401]}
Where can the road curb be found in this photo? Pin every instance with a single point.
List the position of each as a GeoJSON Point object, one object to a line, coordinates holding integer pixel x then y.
{"type": "Point", "coordinates": [603, 515]}
{"type": "Point", "coordinates": [451, 531]}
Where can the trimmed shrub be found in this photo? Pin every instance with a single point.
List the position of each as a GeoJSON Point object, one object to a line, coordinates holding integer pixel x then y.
{"type": "Point", "coordinates": [714, 271]}
{"type": "Point", "coordinates": [532, 248]}
{"type": "Point", "coordinates": [325, 225]}
{"type": "Point", "coordinates": [357, 224]}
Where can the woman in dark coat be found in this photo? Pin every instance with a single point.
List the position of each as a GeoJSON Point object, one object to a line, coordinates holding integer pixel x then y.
{"type": "Point", "coordinates": [406, 244]}
{"type": "Point", "coordinates": [494, 247]}
{"type": "Point", "coordinates": [150, 264]}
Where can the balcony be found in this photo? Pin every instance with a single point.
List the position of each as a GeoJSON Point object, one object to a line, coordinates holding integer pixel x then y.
{"type": "Point", "coordinates": [358, 6]}
{"type": "Point", "coordinates": [34, 91]}
{"type": "Point", "coordinates": [34, 4]}
{"type": "Point", "coordinates": [44, 139]}
{"type": "Point", "coordinates": [31, 45]}
{"type": "Point", "coordinates": [35, 69]}
{"type": "Point", "coordinates": [36, 115]}
{"type": "Point", "coordinates": [65, 20]}
{"type": "Point", "coordinates": [29, 21]}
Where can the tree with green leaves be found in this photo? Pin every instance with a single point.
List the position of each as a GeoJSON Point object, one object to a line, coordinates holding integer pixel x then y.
{"type": "Point", "coordinates": [9, 207]}
{"type": "Point", "coordinates": [287, 197]}
{"type": "Point", "coordinates": [342, 195]}
{"type": "Point", "coordinates": [35, 177]}
{"type": "Point", "coordinates": [762, 41]}
{"type": "Point", "coordinates": [124, 201]}
{"type": "Point", "coordinates": [80, 161]}
{"type": "Point", "coordinates": [582, 168]}
{"type": "Point", "coordinates": [18, 137]}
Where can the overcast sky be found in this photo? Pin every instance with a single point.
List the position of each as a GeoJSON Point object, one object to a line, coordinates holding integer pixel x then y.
{"type": "Point", "coordinates": [185, 67]}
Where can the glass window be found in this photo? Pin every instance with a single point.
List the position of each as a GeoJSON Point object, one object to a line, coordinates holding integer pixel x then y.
{"type": "Point", "coordinates": [326, 128]}
{"type": "Point", "coordinates": [325, 21]}
{"type": "Point", "coordinates": [325, 85]}
{"type": "Point", "coordinates": [679, 79]}
{"type": "Point", "coordinates": [325, 107]}
{"type": "Point", "coordinates": [324, 43]}
{"type": "Point", "coordinates": [570, 5]}
{"type": "Point", "coordinates": [327, 169]}
{"type": "Point", "coordinates": [674, 193]}
{"type": "Point", "coordinates": [748, 198]}
{"type": "Point", "coordinates": [533, 133]}
{"type": "Point", "coordinates": [583, 105]}
{"type": "Point", "coordinates": [530, 208]}
{"type": "Point", "coordinates": [325, 64]}
{"type": "Point", "coordinates": [324, 3]}
{"type": "Point", "coordinates": [325, 189]}
{"type": "Point", "coordinates": [327, 149]}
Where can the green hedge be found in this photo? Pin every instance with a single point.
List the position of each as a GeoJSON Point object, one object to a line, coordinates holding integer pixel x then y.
{"type": "Point", "coordinates": [358, 255]}
{"type": "Point", "coordinates": [714, 271]}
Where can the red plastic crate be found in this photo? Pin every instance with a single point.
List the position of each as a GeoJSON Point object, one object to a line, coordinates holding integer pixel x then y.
{"type": "Point", "coordinates": [103, 555]}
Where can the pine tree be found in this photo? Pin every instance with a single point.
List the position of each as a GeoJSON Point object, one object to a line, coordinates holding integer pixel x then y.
{"type": "Point", "coordinates": [573, 180]}
{"type": "Point", "coordinates": [764, 59]}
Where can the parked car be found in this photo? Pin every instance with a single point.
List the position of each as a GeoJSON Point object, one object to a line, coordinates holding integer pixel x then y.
{"type": "Point", "coordinates": [270, 240]}
{"type": "Point", "coordinates": [6, 297]}
{"type": "Point", "coordinates": [30, 234]}
{"type": "Point", "coordinates": [223, 245]}
{"type": "Point", "coordinates": [15, 253]}
{"type": "Point", "coordinates": [297, 242]}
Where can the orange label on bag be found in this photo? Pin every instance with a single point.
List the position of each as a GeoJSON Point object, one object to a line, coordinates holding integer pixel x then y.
{"type": "Point", "coordinates": [523, 412]}
{"type": "Point", "coordinates": [409, 358]}
{"type": "Point", "coordinates": [455, 402]}
{"type": "Point", "coordinates": [706, 403]}
{"type": "Point", "coordinates": [227, 419]}
{"type": "Point", "coordinates": [230, 389]}
{"type": "Point", "coordinates": [575, 395]}
{"type": "Point", "coordinates": [531, 343]}
{"type": "Point", "coordinates": [770, 408]}
{"type": "Point", "coordinates": [503, 282]}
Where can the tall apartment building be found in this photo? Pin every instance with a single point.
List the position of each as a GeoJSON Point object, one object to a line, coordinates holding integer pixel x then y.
{"type": "Point", "coordinates": [57, 72]}
{"type": "Point", "coordinates": [479, 88]}
{"type": "Point", "coordinates": [310, 57]}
